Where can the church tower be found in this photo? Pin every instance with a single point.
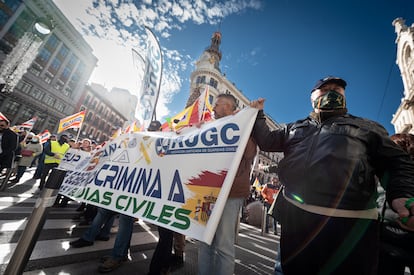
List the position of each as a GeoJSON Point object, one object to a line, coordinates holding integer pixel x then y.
{"type": "Point", "coordinates": [403, 119]}
{"type": "Point", "coordinates": [207, 66]}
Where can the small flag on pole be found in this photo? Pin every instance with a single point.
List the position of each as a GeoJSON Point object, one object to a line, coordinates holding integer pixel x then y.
{"type": "Point", "coordinates": [257, 184]}
{"type": "Point", "coordinates": [3, 117]}
{"type": "Point", "coordinates": [44, 136]}
{"type": "Point", "coordinates": [28, 124]}
{"type": "Point", "coordinates": [132, 128]}
{"type": "Point", "coordinates": [73, 121]}
{"type": "Point", "coordinates": [116, 133]}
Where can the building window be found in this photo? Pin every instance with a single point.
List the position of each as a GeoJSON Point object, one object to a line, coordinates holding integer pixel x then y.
{"type": "Point", "coordinates": [52, 42]}
{"type": "Point", "coordinates": [59, 85]}
{"type": "Point", "coordinates": [91, 130]}
{"type": "Point", "coordinates": [89, 116]}
{"type": "Point", "coordinates": [27, 114]}
{"type": "Point", "coordinates": [213, 83]}
{"type": "Point", "coordinates": [201, 79]}
{"type": "Point", "coordinates": [86, 101]}
{"type": "Point", "coordinates": [60, 106]}
{"type": "Point", "coordinates": [12, 108]}
{"type": "Point", "coordinates": [34, 71]}
{"type": "Point", "coordinates": [63, 52]}
{"type": "Point", "coordinates": [43, 57]}
{"type": "Point", "coordinates": [47, 79]}
{"type": "Point", "coordinates": [55, 65]}
{"type": "Point", "coordinates": [72, 61]}
{"type": "Point", "coordinates": [37, 94]}
{"type": "Point", "coordinates": [65, 74]}
{"type": "Point", "coordinates": [49, 100]}
{"type": "Point", "coordinates": [24, 86]}
{"type": "Point", "coordinates": [67, 92]}
{"type": "Point", "coordinates": [210, 99]}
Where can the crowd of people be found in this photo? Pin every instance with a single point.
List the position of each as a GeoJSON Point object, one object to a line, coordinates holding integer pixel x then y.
{"type": "Point", "coordinates": [327, 209]}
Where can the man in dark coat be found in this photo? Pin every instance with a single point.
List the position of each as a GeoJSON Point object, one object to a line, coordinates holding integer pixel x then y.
{"type": "Point", "coordinates": [331, 160]}
{"type": "Point", "coordinates": [8, 141]}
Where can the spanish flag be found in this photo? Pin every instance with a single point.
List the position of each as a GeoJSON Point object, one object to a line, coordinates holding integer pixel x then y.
{"type": "Point", "coordinates": [73, 121]}
{"type": "Point", "coordinates": [257, 184]}
{"type": "Point", "coordinates": [200, 111]}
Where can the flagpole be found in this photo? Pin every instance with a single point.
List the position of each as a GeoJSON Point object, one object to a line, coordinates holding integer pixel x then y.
{"type": "Point", "coordinates": [80, 127]}
{"type": "Point", "coordinates": [25, 136]}
{"type": "Point", "coordinates": [79, 130]}
{"type": "Point", "coordinates": [205, 103]}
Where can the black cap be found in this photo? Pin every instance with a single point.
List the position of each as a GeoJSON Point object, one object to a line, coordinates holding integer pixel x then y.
{"type": "Point", "coordinates": [329, 79]}
{"type": "Point", "coordinates": [155, 125]}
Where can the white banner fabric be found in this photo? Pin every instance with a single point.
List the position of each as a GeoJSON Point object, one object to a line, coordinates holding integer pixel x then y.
{"type": "Point", "coordinates": [178, 181]}
{"type": "Point", "coordinates": [152, 80]}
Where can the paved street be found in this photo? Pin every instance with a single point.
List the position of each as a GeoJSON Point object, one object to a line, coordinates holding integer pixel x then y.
{"type": "Point", "coordinates": [255, 253]}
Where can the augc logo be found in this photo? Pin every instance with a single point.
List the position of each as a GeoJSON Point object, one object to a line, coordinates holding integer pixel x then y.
{"type": "Point", "coordinates": [219, 139]}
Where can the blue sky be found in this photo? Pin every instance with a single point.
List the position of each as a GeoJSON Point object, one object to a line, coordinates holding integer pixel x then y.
{"type": "Point", "coordinates": [271, 49]}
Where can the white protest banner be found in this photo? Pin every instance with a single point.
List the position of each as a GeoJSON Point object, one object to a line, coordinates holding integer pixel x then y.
{"type": "Point", "coordinates": [178, 181]}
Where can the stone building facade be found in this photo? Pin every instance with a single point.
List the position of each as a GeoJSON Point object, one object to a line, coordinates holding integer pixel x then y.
{"type": "Point", "coordinates": [403, 119]}
{"type": "Point", "coordinates": [56, 73]}
{"type": "Point", "coordinates": [101, 119]}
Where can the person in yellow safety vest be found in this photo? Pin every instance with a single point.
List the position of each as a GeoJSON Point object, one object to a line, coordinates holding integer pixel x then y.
{"type": "Point", "coordinates": [54, 152]}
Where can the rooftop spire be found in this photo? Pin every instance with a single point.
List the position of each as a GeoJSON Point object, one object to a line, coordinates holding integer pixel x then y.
{"type": "Point", "coordinates": [215, 45]}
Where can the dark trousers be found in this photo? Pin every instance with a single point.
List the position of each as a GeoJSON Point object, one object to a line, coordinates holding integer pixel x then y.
{"type": "Point", "coordinates": [317, 244]}
{"type": "Point", "coordinates": [20, 171]}
{"type": "Point", "coordinates": [45, 173]}
{"type": "Point", "coordinates": [268, 218]}
{"type": "Point", "coordinates": [39, 168]}
{"type": "Point", "coordinates": [161, 258]}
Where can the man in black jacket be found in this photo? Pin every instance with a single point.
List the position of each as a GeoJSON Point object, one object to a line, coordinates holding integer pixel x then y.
{"type": "Point", "coordinates": [8, 140]}
{"type": "Point", "coordinates": [328, 209]}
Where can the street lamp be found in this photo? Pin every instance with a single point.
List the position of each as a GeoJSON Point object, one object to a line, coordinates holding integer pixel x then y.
{"type": "Point", "coordinates": [21, 57]}
{"type": "Point", "coordinates": [43, 26]}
